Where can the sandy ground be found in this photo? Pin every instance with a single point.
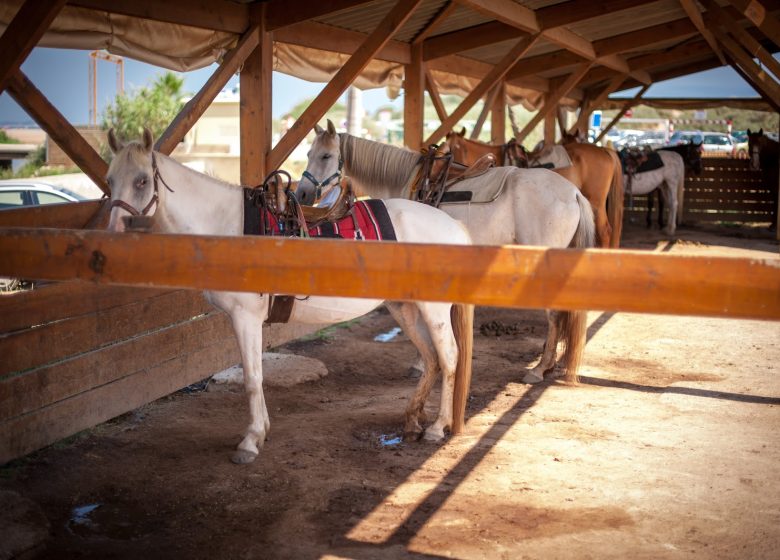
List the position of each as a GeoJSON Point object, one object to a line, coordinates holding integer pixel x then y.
{"type": "Point", "coordinates": [667, 449]}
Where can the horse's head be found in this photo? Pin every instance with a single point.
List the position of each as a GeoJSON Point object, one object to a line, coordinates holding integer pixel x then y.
{"type": "Point", "coordinates": [693, 157]}
{"type": "Point", "coordinates": [454, 144]}
{"type": "Point", "coordinates": [576, 137]}
{"type": "Point", "coordinates": [131, 178]}
{"type": "Point", "coordinates": [755, 143]}
{"type": "Point", "coordinates": [324, 165]}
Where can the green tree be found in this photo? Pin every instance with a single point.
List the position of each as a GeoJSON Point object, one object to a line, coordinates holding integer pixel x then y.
{"type": "Point", "coordinates": [154, 106]}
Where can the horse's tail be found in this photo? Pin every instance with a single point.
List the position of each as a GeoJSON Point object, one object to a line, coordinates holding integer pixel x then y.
{"type": "Point", "coordinates": [462, 316]}
{"type": "Point", "coordinates": [572, 325]}
{"type": "Point", "coordinates": [615, 200]}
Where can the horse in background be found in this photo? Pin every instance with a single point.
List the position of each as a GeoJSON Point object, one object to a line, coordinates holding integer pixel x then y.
{"type": "Point", "coordinates": [521, 206]}
{"type": "Point", "coordinates": [764, 152]}
{"type": "Point", "coordinates": [194, 203]}
{"type": "Point", "coordinates": [595, 171]}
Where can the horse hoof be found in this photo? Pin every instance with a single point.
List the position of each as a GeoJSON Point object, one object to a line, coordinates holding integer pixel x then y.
{"type": "Point", "coordinates": [433, 436]}
{"type": "Point", "coordinates": [243, 457]}
{"type": "Point", "coordinates": [414, 373]}
{"type": "Point", "coordinates": [532, 378]}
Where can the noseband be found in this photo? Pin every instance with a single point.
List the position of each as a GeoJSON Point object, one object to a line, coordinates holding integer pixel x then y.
{"type": "Point", "coordinates": [324, 183]}
{"type": "Point", "coordinates": [155, 197]}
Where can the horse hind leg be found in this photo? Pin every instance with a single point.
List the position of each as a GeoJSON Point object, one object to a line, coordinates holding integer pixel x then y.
{"type": "Point", "coordinates": [549, 352]}
{"type": "Point", "coordinates": [408, 317]}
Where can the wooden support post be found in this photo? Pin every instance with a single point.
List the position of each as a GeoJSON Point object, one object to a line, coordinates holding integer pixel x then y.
{"type": "Point", "coordinates": [549, 122]}
{"type": "Point", "coordinates": [626, 106]}
{"type": "Point", "coordinates": [395, 18]}
{"type": "Point", "coordinates": [777, 208]}
{"type": "Point", "coordinates": [503, 276]}
{"type": "Point", "coordinates": [255, 106]}
{"type": "Point", "coordinates": [414, 99]}
{"type": "Point", "coordinates": [433, 92]}
{"type": "Point", "coordinates": [23, 33]}
{"type": "Point", "coordinates": [491, 79]}
{"type": "Point", "coordinates": [498, 116]}
{"type": "Point", "coordinates": [487, 105]}
{"type": "Point", "coordinates": [592, 105]}
{"type": "Point", "coordinates": [552, 99]}
{"type": "Point", "coordinates": [196, 106]}
{"type": "Point", "coordinates": [58, 128]}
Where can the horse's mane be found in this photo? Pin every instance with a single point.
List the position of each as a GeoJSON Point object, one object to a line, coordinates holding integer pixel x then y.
{"type": "Point", "coordinates": [377, 165]}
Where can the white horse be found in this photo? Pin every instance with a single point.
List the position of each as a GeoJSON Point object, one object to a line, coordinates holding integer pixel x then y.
{"type": "Point", "coordinates": [192, 203]}
{"type": "Point", "coordinates": [669, 179]}
{"type": "Point", "coordinates": [535, 207]}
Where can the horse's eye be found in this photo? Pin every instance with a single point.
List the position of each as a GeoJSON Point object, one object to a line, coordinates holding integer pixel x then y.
{"type": "Point", "coordinates": [326, 156]}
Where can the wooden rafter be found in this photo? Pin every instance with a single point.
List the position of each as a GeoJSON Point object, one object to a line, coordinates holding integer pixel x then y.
{"type": "Point", "coordinates": [395, 18]}
{"type": "Point", "coordinates": [596, 102]}
{"type": "Point", "coordinates": [490, 98]}
{"type": "Point", "coordinates": [281, 13]}
{"type": "Point", "coordinates": [677, 29]}
{"type": "Point", "coordinates": [196, 106]}
{"type": "Point", "coordinates": [219, 15]}
{"type": "Point", "coordinates": [626, 106]}
{"type": "Point", "coordinates": [496, 74]}
{"type": "Point", "coordinates": [767, 86]}
{"type": "Point", "coordinates": [544, 63]}
{"type": "Point", "coordinates": [551, 100]}
{"type": "Point", "coordinates": [23, 33]}
{"type": "Point", "coordinates": [757, 12]}
{"type": "Point", "coordinates": [692, 9]}
{"type": "Point", "coordinates": [437, 20]}
{"type": "Point", "coordinates": [58, 128]}
{"type": "Point", "coordinates": [576, 11]}
{"type": "Point", "coordinates": [743, 37]}
{"type": "Point", "coordinates": [433, 92]}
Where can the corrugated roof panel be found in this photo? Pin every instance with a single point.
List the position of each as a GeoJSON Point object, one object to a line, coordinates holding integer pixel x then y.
{"type": "Point", "coordinates": [461, 18]}
{"type": "Point", "coordinates": [627, 21]}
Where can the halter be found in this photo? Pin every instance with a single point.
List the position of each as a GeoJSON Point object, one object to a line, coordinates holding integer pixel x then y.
{"type": "Point", "coordinates": [155, 176]}
{"type": "Point", "coordinates": [319, 184]}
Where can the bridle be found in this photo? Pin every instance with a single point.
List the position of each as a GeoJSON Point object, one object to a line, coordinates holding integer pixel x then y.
{"type": "Point", "coordinates": [155, 197]}
{"type": "Point", "coordinates": [324, 183]}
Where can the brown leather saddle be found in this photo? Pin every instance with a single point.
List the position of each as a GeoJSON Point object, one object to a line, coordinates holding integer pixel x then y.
{"type": "Point", "coordinates": [439, 172]}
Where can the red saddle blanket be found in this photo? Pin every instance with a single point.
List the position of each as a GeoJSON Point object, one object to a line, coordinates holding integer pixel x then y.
{"type": "Point", "coordinates": [368, 220]}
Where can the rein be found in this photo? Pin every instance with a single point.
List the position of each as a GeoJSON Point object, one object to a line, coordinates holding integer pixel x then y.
{"type": "Point", "coordinates": [155, 197]}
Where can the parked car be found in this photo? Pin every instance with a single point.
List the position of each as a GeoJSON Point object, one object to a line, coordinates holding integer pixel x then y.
{"type": "Point", "coordinates": [15, 194]}
{"type": "Point", "coordinates": [685, 137]}
{"type": "Point", "coordinates": [718, 143]}
{"type": "Point", "coordinates": [653, 138]}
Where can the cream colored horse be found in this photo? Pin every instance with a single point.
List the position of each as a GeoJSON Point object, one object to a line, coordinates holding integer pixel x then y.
{"type": "Point", "coordinates": [184, 201]}
{"type": "Point", "coordinates": [536, 207]}
{"type": "Point", "coordinates": [669, 179]}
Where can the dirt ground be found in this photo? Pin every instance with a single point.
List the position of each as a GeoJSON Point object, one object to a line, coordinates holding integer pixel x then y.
{"type": "Point", "coordinates": [667, 449]}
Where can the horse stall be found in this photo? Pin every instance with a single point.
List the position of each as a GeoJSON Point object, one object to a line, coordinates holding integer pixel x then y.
{"type": "Point", "coordinates": [662, 449]}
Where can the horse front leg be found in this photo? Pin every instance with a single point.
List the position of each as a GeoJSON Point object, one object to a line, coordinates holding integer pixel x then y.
{"type": "Point", "coordinates": [247, 313]}
{"type": "Point", "coordinates": [549, 353]}
{"type": "Point", "coordinates": [671, 224]}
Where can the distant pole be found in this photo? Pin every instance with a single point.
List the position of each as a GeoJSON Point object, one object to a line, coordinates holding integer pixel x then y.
{"type": "Point", "coordinates": [354, 111]}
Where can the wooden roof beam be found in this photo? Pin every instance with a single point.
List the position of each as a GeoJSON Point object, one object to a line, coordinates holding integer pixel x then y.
{"type": "Point", "coordinates": [595, 103]}
{"type": "Point", "coordinates": [494, 76]}
{"type": "Point", "coordinates": [469, 38]}
{"type": "Point", "coordinates": [646, 37]}
{"type": "Point", "coordinates": [543, 63]}
{"type": "Point", "coordinates": [58, 128]}
{"type": "Point", "coordinates": [24, 31]}
{"type": "Point", "coordinates": [759, 79]}
{"type": "Point", "coordinates": [435, 22]}
{"type": "Point", "coordinates": [219, 15]}
{"type": "Point", "coordinates": [390, 24]}
{"type": "Point", "coordinates": [196, 106]}
{"type": "Point", "coordinates": [433, 92]}
{"type": "Point", "coordinates": [756, 11]}
{"type": "Point", "coordinates": [281, 13]}
{"type": "Point", "coordinates": [692, 9]}
{"type": "Point", "coordinates": [626, 106]}
{"type": "Point", "coordinates": [576, 11]}
{"type": "Point", "coordinates": [508, 12]}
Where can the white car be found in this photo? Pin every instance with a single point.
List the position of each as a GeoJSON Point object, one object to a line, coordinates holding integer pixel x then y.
{"type": "Point", "coordinates": [16, 193]}
{"type": "Point", "coordinates": [718, 142]}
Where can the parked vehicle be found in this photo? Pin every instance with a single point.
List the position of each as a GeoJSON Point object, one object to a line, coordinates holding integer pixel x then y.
{"type": "Point", "coordinates": [685, 137]}
{"type": "Point", "coordinates": [15, 194]}
{"type": "Point", "coordinates": [653, 138]}
{"type": "Point", "coordinates": [718, 143]}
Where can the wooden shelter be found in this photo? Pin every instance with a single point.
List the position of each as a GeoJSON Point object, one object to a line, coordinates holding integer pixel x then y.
{"type": "Point", "coordinates": [543, 53]}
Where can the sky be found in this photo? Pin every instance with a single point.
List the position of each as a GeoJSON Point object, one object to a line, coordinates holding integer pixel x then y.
{"type": "Point", "coordinates": [62, 75]}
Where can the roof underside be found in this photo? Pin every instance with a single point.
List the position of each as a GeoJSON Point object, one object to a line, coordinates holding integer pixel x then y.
{"type": "Point", "coordinates": [647, 40]}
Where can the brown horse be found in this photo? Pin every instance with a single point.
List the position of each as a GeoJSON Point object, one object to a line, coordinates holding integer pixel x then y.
{"type": "Point", "coordinates": [763, 150]}
{"type": "Point", "coordinates": [595, 171]}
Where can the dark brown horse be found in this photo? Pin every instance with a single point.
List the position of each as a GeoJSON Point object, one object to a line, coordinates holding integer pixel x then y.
{"type": "Point", "coordinates": [763, 151]}
{"type": "Point", "coordinates": [595, 171]}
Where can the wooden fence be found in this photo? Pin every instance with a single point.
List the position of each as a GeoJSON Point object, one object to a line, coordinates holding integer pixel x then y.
{"type": "Point", "coordinates": [75, 355]}
{"type": "Point", "coordinates": [727, 191]}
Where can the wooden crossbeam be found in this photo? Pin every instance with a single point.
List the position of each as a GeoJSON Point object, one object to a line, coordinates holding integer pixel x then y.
{"type": "Point", "coordinates": [433, 93]}
{"type": "Point", "coordinates": [22, 34]}
{"type": "Point", "coordinates": [486, 108]}
{"type": "Point", "coordinates": [646, 37]}
{"type": "Point", "coordinates": [395, 18]}
{"type": "Point", "coordinates": [470, 38]}
{"type": "Point", "coordinates": [437, 20]}
{"type": "Point", "coordinates": [281, 13]}
{"type": "Point", "coordinates": [747, 41]}
{"type": "Point", "coordinates": [692, 9]}
{"type": "Point", "coordinates": [495, 75]}
{"type": "Point", "coordinates": [595, 103]}
{"type": "Point", "coordinates": [508, 276]}
{"type": "Point", "coordinates": [552, 99]}
{"type": "Point", "coordinates": [196, 106]}
{"type": "Point", "coordinates": [544, 63]}
{"type": "Point", "coordinates": [58, 128]}
{"type": "Point", "coordinates": [508, 12]}
{"type": "Point", "coordinates": [626, 106]}
{"type": "Point", "coordinates": [756, 11]}
{"type": "Point", "coordinates": [762, 81]}
{"type": "Point", "coordinates": [576, 11]}
{"type": "Point", "coordinates": [219, 15]}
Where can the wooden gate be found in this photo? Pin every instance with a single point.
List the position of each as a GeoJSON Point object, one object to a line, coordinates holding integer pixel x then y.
{"type": "Point", "coordinates": [727, 191]}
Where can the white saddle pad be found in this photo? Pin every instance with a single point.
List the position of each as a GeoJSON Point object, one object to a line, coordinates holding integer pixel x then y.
{"type": "Point", "coordinates": [555, 155]}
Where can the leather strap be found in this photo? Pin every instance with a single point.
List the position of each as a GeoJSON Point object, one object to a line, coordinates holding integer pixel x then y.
{"type": "Point", "coordinates": [281, 309]}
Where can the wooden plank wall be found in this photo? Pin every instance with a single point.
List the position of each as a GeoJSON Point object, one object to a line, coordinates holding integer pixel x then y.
{"type": "Point", "coordinates": [727, 191]}
{"type": "Point", "coordinates": [75, 355]}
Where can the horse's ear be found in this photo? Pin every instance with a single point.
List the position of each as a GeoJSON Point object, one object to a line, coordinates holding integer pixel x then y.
{"type": "Point", "coordinates": [318, 129]}
{"type": "Point", "coordinates": [148, 139]}
{"type": "Point", "coordinates": [748, 132]}
{"type": "Point", "coordinates": [761, 131]}
{"type": "Point", "coordinates": [113, 142]}
{"type": "Point", "coordinates": [462, 132]}
{"type": "Point", "coordinates": [331, 128]}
